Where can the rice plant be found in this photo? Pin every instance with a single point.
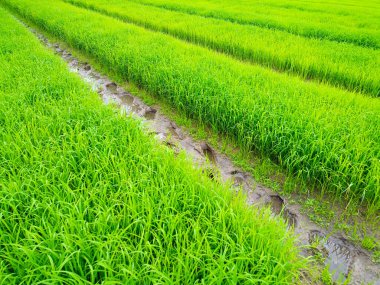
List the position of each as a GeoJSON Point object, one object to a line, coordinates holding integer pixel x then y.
{"type": "Point", "coordinates": [341, 64]}
{"type": "Point", "coordinates": [343, 21]}
{"type": "Point", "coordinates": [325, 135]}
{"type": "Point", "coordinates": [87, 198]}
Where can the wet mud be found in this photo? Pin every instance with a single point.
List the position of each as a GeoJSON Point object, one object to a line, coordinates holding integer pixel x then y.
{"type": "Point", "coordinates": [341, 256]}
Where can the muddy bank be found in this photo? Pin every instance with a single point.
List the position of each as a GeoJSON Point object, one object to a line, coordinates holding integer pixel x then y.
{"type": "Point", "coordinates": [340, 255]}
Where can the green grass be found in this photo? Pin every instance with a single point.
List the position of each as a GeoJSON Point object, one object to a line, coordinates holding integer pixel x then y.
{"type": "Point", "coordinates": [88, 198]}
{"type": "Point", "coordinates": [352, 67]}
{"type": "Point", "coordinates": [343, 21]}
{"type": "Point", "coordinates": [319, 213]}
{"type": "Point", "coordinates": [322, 134]}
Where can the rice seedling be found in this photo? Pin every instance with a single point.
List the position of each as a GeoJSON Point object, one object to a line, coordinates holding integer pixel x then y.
{"type": "Point", "coordinates": [87, 198]}
{"type": "Point", "coordinates": [341, 64]}
{"type": "Point", "coordinates": [322, 134]}
{"type": "Point", "coordinates": [355, 23]}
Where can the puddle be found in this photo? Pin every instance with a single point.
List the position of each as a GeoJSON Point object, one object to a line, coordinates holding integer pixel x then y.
{"type": "Point", "coordinates": [336, 255]}
{"type": "Point", "coordinates": [341, 256]}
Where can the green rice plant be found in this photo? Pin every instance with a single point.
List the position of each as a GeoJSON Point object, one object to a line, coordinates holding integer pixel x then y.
{"type": "Point", "coordinates": [87, 198]}
{"type": "Point", "coordinates": [341, 64]}
{"type": "Point", "coordinates": [325, 135]}
{"type": "Point", "coordinates": [345, 8]}
{"type": "Point", "coordinates": [354, 24]}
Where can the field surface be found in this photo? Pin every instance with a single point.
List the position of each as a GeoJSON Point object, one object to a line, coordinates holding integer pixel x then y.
{"type": "Point", "coordinates": [325, 135]}
{"type": "Point", "coordinates": [87, 198]}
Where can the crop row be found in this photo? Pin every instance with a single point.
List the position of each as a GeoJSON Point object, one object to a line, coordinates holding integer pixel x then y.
{"type": "Point", "coordinates": [87, 198]}
{"type": "Point", "coordinates": [345, 65]}
{"type": "Point", "coordinates": [336, 8]}
{"type": "Point", "coordinates": [323, 134]}
{"type": "Point", "coordinates": [361, 30]}
{"type": "Point", "coordinates": [350, 10]}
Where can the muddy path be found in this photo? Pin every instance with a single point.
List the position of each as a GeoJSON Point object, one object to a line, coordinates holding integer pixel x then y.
{"type": "Point", "coordinates": [340, 255]}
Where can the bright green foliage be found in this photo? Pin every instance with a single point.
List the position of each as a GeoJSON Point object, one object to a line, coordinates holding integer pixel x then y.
{"type": "Point", "coordinates": [87, 198]}
{"type": "Point", "coordinates": [343, 21]}
{"type": "Point", "coordinates": [352, 67]}
{"type": "Point", "coordinates": [320, 133]}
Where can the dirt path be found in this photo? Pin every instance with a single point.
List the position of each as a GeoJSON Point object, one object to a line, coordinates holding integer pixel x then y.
{"type": "Point", "coordinates": [341, 255]}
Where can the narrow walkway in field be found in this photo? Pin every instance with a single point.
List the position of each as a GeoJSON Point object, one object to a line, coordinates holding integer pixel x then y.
{"type": "Point", "coordinates": [341, 256]}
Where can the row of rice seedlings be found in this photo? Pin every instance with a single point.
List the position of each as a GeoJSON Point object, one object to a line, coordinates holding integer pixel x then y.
{"type": "Point", "coordinates": [361, 30]}
{"type": "Point", "coordinates": [345, 65]}
{"type": "Point", "coordinates": [87, 198]}
{"type": "Point", "coordinates": [322, 134]}
{"type": "Point", "coordinates": [361, 14]}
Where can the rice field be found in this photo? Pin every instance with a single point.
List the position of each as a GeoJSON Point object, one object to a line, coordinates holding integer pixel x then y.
{"type": "Point", "coordinates": [323, 134]}
{"type": "Point", "coordinates": [89, 197]}
{"type": "Point", "coordinates": [352, 22]}
{"type": "Point", "coordinates": [352, 67]}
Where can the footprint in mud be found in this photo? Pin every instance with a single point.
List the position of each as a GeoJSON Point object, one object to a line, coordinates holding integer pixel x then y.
{"type": "Point", "coordinates": [277, 203]}
{"type": "Point", "coordinates": [336, 255]}
{"type": "Point", "coordinates": [208, 152]}
{"type": "Point", "coordinates": [127, 102]}
{"type": "Point", "coordinates": [127, 99]}
{"type": "Point", "coordinates": [175, 131]}
{"type": "Point", "coordinates": [74, 63]}
{"type": "Point", "coordinates": [58, 50]}
{"type": "Point", "coordinates": [86, 67]}
{"type": "Point", "coordinates": [111, 87]}
{"type": "Point", "coordinates": [279, 208]}
{"type": "Point", "coordinates": [238, 177]}
{"type": "Point", "coordinates": [290, 217]}
{"type": "Point", "coordinates": [150, 113]}
{"type": "Point", "coordinates": [253, 198]}
{"type": "Point", "coordinates": [95, 76]}
{"type": "Point", "coordinates": [66, 55]}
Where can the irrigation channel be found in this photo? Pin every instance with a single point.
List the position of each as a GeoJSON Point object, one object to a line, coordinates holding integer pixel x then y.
{"type": "Point", "coordinates": [342, 257]}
